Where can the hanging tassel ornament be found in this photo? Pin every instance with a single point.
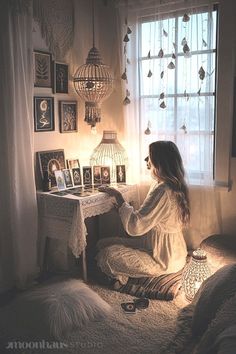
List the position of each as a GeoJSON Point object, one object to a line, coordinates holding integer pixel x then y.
{"type": "Point", "coordinates": [185, 18]}
{"type": "Point", "coordinates": [149, 73]}
{"type": "Point", "coordinates": [148, 130]}
{"type": "Point", "coordinates": [184, 128]}
{"type": "Point", "coordinates": [171, 65]}
{"type": "Point", "coordinates": [160, 54]}
{"type": "Point", "coordinates": [163, 105]}
{"type": "Point", "coordinates": [201, 73]}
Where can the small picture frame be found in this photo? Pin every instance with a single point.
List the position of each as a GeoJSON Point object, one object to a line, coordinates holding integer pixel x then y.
{"type": "Point", "coordinates": [106, 175]}
{"type": "Point", "coordinates": [43, 114]}
{"type": "Point", "coordinates": [120, 174]}
{"type": "Point", "coordinates": [68, 116]}
{"type": "Point", "coordinates": [72, 163]}
{"type": "Point", "coordinates": [60, 76]}
{"type": "Point", "coordinates": [76, 176]}
{"type": "Point", "coordinates": [51, 161]}
{"type": "Point", "coordinates": [60, 181]}
{"type": "Point", "coordinates": [97, 176]}
{"type": "Point", "coordinates": [67, 178]}
{"type": "Point", "coordinates": [42, 69]}
{"type": "Point", "coordinates": [87, 175]}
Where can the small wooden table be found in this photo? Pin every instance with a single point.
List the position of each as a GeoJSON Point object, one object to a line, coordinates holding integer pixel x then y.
{"type": "Point", "coordinates": [62, 216]}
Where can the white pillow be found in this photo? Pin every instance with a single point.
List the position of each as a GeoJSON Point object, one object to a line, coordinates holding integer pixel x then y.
{"type": "Point", "coordinates": [58, 308]}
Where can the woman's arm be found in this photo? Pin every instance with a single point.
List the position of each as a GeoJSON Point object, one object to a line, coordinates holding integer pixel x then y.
{"type": "Point", "coordinates": [155, 208]}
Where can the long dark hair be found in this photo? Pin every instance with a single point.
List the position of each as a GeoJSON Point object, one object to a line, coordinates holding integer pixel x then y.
{"type": "Point", "coordinates": [168, 167]}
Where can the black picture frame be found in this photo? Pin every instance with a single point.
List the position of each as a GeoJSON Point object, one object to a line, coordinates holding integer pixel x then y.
{"type": "Point", "coordinates": [87, 175]}
{"type": "Point", "coordinates": [42, 69]}
{"type": "Point", "coordinates": [72, 163]}
{"type": "Point", "coordinates": [50, 161]}
{"type": "Point", "coordinates": [67, 178]}
{"type": "Point", "coordinates": [106, 174]}
{"type": "Point", "coordinates": [97, 175]}
{"type": "Point", "coordinates": [60, 77]}
{"type": "Point", "coordinates": [68, 116]}
{"type": "Point", "coordinates": [43, 114]}
{"type": "Point", "coordinates": [76, 176]}
{"type": "Point", "coordinates": [120, 174]}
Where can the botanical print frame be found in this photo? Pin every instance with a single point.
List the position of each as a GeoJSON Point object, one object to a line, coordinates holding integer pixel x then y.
{"type": "Point", "coordinates": [60, 77]}
{"type": "Point", "coordinates": [60, 180]}
{"type": "Point", "coordinates": [120, 174]}
{"type": "Point", "coordinates": [42, 69]}
{"type": "Point", "coordinates": [106, 175]}
{"type": "Point", "coordinates": [72, 163]}
{"type": "Point", "coordinates": [76, 176]}
{"type": "Point", "coordinates": [87, 175]}
{"type": "Point", "coordinates": [51, 161]}
{"type": "Point", "coordinates": [67, 178]}
{"type": "Point", "coordinates": [68, 116]}
{"type": "Point", "coordinates": [43, 114]}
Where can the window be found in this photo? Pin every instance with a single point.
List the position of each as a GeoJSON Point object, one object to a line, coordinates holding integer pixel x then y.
{"type": "Point", "coordinates": [177, 74]}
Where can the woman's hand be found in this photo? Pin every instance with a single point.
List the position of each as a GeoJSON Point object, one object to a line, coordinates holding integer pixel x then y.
{"type": "Point", "coordinates": [113, 193]}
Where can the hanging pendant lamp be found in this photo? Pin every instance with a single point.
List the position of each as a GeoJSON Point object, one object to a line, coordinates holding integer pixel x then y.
{"type": "Point", "coordinates": [93, 82]}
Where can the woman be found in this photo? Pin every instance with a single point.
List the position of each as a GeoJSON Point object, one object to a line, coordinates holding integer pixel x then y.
{"type": "Point", "coordinates": [156, 244]}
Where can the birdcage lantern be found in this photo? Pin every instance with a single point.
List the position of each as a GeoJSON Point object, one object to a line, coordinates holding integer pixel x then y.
{"type": "Point", "coordinates": [194, 273]}
{"type": "Point", "coordinates": [93, 82]}
{"type": "Point", "coordinates": [109, 152]}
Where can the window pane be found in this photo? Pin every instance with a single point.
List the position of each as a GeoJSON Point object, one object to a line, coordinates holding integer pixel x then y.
{"type": "Point", "coordinates": [197, 113]}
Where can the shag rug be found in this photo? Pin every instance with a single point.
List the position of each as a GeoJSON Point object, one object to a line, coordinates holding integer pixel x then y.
{"type": "Point", "coordinates": [148, 331]}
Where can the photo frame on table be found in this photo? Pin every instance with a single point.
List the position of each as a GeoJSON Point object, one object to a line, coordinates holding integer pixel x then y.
{"type": "Point", "coordinates": [106, 175]}
{"type": "Point", "coordinates": [60, 181]}
{"type": "Point", "coordinates": [72, 163]}
{"type": "Point", "coordinates": [97, 175]}
{"type": "Point", "coordinates": [43, 114]}
{"type": "Point", "coordinates": [68, 116]}
{"type": "Point", "coordinates": [67, 178]}
{"type": "Point", "coordinates": [60, 77]}
{"type": "Point", "coordinates": [76, 176]}
{"type": "Point", "coordinates": [87, 175]}
{"type": "Point", "coordinates": [51, 161]}
{"type": "Point", "coordinates": [120, 174]}
{"type": "Point", "coordinates": [42, 69]}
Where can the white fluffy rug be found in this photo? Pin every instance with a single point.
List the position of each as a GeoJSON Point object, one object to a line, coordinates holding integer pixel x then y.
{"type": "Point", "coordinates": [147, 332]}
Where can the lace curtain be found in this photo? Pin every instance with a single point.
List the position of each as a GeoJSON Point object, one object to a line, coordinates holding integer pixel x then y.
{"type": "Point", "coordinates": [18, 208]}
{"type": "Point", "coordinates": [168, 71]}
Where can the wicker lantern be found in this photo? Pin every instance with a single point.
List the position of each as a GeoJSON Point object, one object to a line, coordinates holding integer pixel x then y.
{"type": "Point", "coordinates": [93, 82]}
{"type": "Point", "coordinates": [195, 272]}
{"type": "Point", "coordinates": [109, 152]}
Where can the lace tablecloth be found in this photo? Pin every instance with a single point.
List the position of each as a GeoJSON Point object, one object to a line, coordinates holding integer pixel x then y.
{"type": "Point", "coordinates": [63, 217]}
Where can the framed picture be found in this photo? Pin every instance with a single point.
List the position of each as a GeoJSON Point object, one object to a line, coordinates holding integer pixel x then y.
{"type": "Point", "coordinates": [68, 116]}
{"type": "Point", "coordinates": [106, 175]}
{"type": "Point", "coordinates": [67, 178]}
{"type": "Point", "coordinates": [120, 174]}
{"type": "Point", "coordinates": [43, 114]}
{"type": "Point", "coordinates": [51, 161]}
{"type": "Point", "coordinates": [73, 163]}
{"type": "Point", "coordinates": [87, 175]}
{"type": "Point", "coordinates": [60, 181]}
{"type": "Point", "coordinates": [60, 76]}
{"type": "Point", "coordinates": [76, 176]}
{"type": "Point", "coordinates": [42, 69]}
{"type": "Point", "coordinates": [97, 177]}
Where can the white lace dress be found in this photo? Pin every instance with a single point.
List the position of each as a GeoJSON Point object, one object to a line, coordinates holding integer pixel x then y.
{"type": "Point", "coordinates": [156, 244]}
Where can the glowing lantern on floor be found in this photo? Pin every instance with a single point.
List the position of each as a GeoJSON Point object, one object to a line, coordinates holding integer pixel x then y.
{"type": "Point", "coordinates": [194, 273]}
